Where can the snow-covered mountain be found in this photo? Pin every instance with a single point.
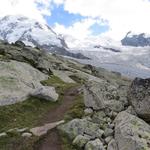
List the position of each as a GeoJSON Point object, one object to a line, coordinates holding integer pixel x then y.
{"type": "Point", "coordinates": [33, 33]}
{"type": "Point", "coordinates": [130, 61]}
{"type": "Point", "coordinates": [136, 39]}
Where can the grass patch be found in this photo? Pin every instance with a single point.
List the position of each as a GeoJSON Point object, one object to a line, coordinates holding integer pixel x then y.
{"type": "Point", "coordinates": [23, 114]}
{"type": "Point", "coordinates": [17, 143]}
{"type": "Point", "coordinates": [66, 143]}
{"type": "Point", "coordinates": [77, 79]}
{"type": "Point", "coordinates": [28, 114]}
{"type": "Point", "coordinates": [60, 85]}
{"type": "Point", "coordinates": [77, 110]}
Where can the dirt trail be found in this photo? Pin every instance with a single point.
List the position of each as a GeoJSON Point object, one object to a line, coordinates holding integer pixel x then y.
{"type": "Point", "coordinates": [52, 140]}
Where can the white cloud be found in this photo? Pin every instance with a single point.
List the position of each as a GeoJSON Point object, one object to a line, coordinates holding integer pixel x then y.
{"type": "Point", "coordinates": [122, 15]}
{"type": "Point", "coordinates": [79, 30]}
{"type": "Point", "coordinates": [31, 8]}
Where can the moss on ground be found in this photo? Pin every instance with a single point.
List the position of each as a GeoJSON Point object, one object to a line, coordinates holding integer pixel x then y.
{"type": "Point", "coordinates": [17, 143]}
{"type": "Point", "coordinates": [66, 143]}
{"type": "Point", "coordinates": [23, 114]}
{"type": "Point", "coordinates": [77, 110]}
{"type": "Point", "coordinates": [60, 85]}
{"type": "Point", "coordinates": [27, 114]}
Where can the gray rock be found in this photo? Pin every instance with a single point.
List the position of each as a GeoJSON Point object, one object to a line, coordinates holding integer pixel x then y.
{"type": "Point", "coordinates": [19, 80]}
{"type": "Point", "coordinates": [63, 76]}
{"type": "Point", "coordinates": [46, 93]}
{"type": "Point", "coordinates": [26, 134]}
{"type": "Point", "coordinates": [108, 139]}
{"type": "Point", "coordinates": [88, 111]}
{"type": "Point", "coordinates": [139, 97]}
{"type": "Point", "coordinates": [80, 127]}
{"type": "Point", "coordinates": [112, 145]}
{"type": "Point", "coordinates": [99, 117]}
{"type": "Point", "coordinates": [81, 140]}
{"type": "Point", "coordinates": [131, 110]}
{"type": "Point", "coordinates": [43, 130]}
{"type": "Point", "coordinates": [108, 132]}
{"type": "Point", "coordinates": [22, 130]}
{"type": "Point", "coordinates": [94, 145]}
{"type": "Point", "coordinates": [131, 133]}
{"type": "Point", "coordinates": [101, 95]}
{"type": "Point", "coordinates": [3, 134]}
{"type": "Point", "coordinates": [111, 126]}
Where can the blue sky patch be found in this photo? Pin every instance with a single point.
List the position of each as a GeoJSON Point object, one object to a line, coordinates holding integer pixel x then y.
{"type": "Point", "coordinates": [98, 29]}
{"type": "Point", "coordinates": [59, 15]}
{"type": "Point", "coordinates": [62, 17]}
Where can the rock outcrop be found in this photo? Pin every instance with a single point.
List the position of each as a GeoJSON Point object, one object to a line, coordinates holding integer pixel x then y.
{"type": "Point", "coordinates": [101, 95]}
{"type": "Point", "coordinates": [139, 97]}
{"type": "Point", "coordinates": [19, 80]}
{"type": "Point", "coordinates": [81, 127]}
{"type": "Point", "coordinates": [131, 133]}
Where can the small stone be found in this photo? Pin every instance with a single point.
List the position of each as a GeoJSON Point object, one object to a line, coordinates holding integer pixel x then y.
{"type": "Point", "coordinates": [88, 111]}
{"type": "Point", "coordinates": [12, 130]}
{"type": "Point", "coordinates": [108, 132]}
{"type": "Point", "coordinates": [112, 145]}
{"type": "Point", "coordinates": [22, 130]}
{"type": "Point", "coordinates": [108, 120]}
{"type": "Point", "coordinates": [81, 140]}
{"type": "Point", "coordinates": [3, 134]}
{"type": "Point", "coordinates": [26, 134]}
{"type": "Point", "coordinates": [113, 114]}
{"type": "Point", "coordinates": [108, 139]}
{"type": "Point", "coordinates": [94, 145]}
{"type": "Point", "coordinates": [131, 110]}
{"type": "Point", "coordinates": [111, 126]}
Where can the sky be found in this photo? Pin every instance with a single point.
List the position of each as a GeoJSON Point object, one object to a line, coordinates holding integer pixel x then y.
{"type": "Point", "coordinates": [85, 18]}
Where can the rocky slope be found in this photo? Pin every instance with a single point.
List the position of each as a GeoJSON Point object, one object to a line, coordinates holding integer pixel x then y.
{"type": "Point", "coordinates": [136, 40]}
{"type": "Point", "coordinates": [35, 34]}
{"type": "Point", "coordinates": [114, 114]}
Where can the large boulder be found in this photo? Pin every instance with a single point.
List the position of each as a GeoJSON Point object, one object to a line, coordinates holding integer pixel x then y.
{"type": "Point", "coordinates": [101, 95]}
{"type": "Point", "coordinates": [131, 133]}
{"type": "Point", "coordinates": [19, 80]}
{"type": "Point", "coordinates": [80, 127]}
{"type": "Point", "coordinates": [139, 97]}
{"type": "Point", "coordinates": [46, 92]}
{"type": "Point", "coordinates": [35, 57]}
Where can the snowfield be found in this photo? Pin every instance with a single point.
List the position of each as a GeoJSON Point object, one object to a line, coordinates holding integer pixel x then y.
{"type": "Point", "coordinates": [130, 61]}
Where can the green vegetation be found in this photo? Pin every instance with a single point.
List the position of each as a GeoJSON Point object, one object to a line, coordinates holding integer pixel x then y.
{"type": "Point", "coordinates": [67, 143]}
{"type": "Point", "coordinates": [17, 143]}
{"type": "Point", "coordinates": [77, 110]}
{"type": "Point", "coordinates": [60, 85]}
{"type": "Point", "coordinates": [28, 113]}
{"type": "Point", "coordinates": [23, 114]}
{"type": "Point", "coordinates": [77, 79]}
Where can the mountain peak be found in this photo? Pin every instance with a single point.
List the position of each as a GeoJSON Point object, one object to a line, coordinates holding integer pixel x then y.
{"type": "Point", "coordinates": [35, 34]}
{"type": "Point", "coordinates": [136, 39]}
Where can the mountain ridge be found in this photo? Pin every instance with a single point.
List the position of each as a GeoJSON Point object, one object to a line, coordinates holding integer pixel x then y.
{"type": "Point", "coordinates": [35, 34]}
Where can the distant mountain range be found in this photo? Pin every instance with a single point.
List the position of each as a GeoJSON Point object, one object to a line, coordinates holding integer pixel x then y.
{"type": "Point", "coordinates": [133, 39]}
{"type": "Point", "coordinates": [35, 34]}
{"type": "Point", "coordinates": [130, 56]}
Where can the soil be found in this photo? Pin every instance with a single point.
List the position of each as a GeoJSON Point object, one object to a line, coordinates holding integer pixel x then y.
{"type": "Point", "coordinates": [52, 140]}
